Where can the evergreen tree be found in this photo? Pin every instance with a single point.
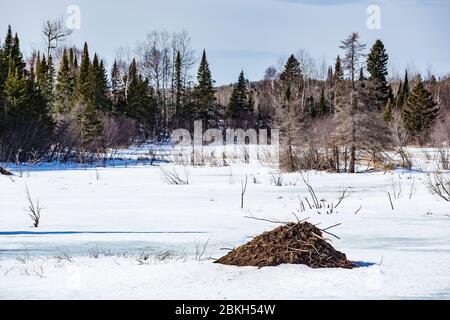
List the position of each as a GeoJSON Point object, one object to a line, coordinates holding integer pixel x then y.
{"type": "Point", "coordinates": [89, 126]}
{"type": "Point", "coordinates": [45, 77]}
{"type": "Point", "coordinates": [141, 102]}
{"type": "Point", "coordinates": [291, 79]}
{"type": "Point", "coordinates": [420, 111]}
{"type": "Point", "coordinates": [377, 61]}
{"type": "Point", "coordinates": [15, 57]}
{"type": "Point", "coordinates": [251, 102]}
{"type": "Point", "coordinates": [5, 51]}
{"type": "Point", "coordinates": [15, 91]}
{"type": "Point", "coordinates": [99, 79]}
{"type": "Point", "coordinates": [338, 71]}
{"type": "Point", "coordinates": [360, 126]}
{"type": "Point", "coordinates": [118, 90]}
{"type": "Point", "coordinates": [330, 74]}
{"type": "Point", "coordinates": [361, 75]}
{"type": "Point", "coordinates": [204, 106]}
{"type": "Point", "coordinates": [64, 89]}
{"type": "Point", "coordinates": [403, 93]}
{"type": "Point", "coordinates": [179, 90]}
{"type": "Point", "coordinates": [84, 88]}
{"type": "Point", "coordinates": [322, 108]}
{"type": "Point", "coordinates": [290, 85]}
{"type": "Point", "coordinates": [387, 115]}
{"type": "Point", "coordinates": [239, 106]}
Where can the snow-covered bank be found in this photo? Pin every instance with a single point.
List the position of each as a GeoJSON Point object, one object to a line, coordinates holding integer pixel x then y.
{"type": "Point", "coordinates": [405, 275]}
{"type": "Point", "coordinates": [406, 250]}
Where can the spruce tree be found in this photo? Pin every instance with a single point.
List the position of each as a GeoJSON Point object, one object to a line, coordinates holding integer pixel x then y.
{"type": "Point", "coordinates": [179, 90]}
{"type": "Point", "coordinates": [141, 103]}
{"type": "Point", "coordinates": [204, 107]}
{"type": "Point", "coordinates": [420, 111]}
{"type": "Point", "coordinates": [403, 92]}
{"type": "Point", "coordinates": [45, 77]}
{"type": "Point", "coordinates": [360, 126]}
{"type": "Point", "coordinates": [322, 108]}
{"type": "Point", "coordinates": [5, 51]}
{"type": "Point", "coordinates": [290, 85]}
{"type": "Point", "coordinates": [118, 90]}
{"type": "Point", "coordinates": [99, 79]}
{"type": "Point", "coordinates": [361, 75]}
{"type": "Point", "coordinates": [330, 74]}
{"type": "Point", "coordinates": [64, 89]}
{"type": "Point", "coordinates": [338, 71]}
{"type": "Point", "coordinates": [377, 61]}
{"type": "Point", "coordinates": [15, 57]}
{"type": "Point", "coordinates": [387, 114]}
{"type": "Point", "coordinates": [84, 86]}
{"type": "Point", "coordinates": [89, 126]}
{"type": "Point", "coordinates": [15, 92]}
{"type": "Point", "coordinates": [239, 106]}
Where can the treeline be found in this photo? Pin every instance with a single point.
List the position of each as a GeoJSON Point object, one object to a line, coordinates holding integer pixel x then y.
{"type": "Point", "coordinates": [354, 114]}
{"type": "Point", "coordinates": [71, 108]}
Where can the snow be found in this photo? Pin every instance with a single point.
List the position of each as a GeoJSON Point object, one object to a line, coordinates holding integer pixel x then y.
{"type": "Point", "coordinates": [130, 211]}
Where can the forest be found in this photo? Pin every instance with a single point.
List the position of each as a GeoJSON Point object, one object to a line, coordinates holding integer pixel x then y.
{"type": "Point", "coordinates": [62, 104]}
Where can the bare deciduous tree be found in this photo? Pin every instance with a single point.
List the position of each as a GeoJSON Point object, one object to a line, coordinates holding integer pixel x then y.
{"type": "Point", "coordinates": [55, 31]}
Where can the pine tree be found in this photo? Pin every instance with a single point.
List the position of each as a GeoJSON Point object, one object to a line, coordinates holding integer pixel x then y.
{"type": "Point", "coordinates": [420, 111]}
{"type": "Point", "coordinates": [204, 106]}
{"type": "Point", "coordinates": [239, 106]}
{"type": "Point", "coordinates": [338, 71]}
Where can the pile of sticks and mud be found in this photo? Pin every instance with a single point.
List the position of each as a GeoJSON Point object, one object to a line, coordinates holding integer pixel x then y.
{"type": "Point", "coordinates": [291, 243]}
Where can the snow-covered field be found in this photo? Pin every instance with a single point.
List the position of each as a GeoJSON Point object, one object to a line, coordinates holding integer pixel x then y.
{"type": "Point", "coordinates": [125, 233]}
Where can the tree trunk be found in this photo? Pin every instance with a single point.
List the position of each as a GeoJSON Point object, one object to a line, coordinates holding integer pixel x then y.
{"type": "Point", "coordinates": [351, 168]}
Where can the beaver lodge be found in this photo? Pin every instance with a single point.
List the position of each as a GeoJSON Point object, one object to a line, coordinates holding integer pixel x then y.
{"type": "Point", "coordinates": [293, 243]}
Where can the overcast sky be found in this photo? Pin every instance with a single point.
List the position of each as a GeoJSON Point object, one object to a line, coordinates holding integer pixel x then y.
{"type": "Point", "coordinates": [248, 34]}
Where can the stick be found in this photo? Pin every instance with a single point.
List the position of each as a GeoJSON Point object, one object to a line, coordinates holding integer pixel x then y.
{"type": "Point", "coordinates": [266, 220]}
{"type": "Point", "coordinates": [390, 199]}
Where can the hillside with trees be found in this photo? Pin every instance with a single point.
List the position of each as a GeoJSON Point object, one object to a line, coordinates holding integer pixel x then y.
{"type": "Point", "coordinates": [64, 105]}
